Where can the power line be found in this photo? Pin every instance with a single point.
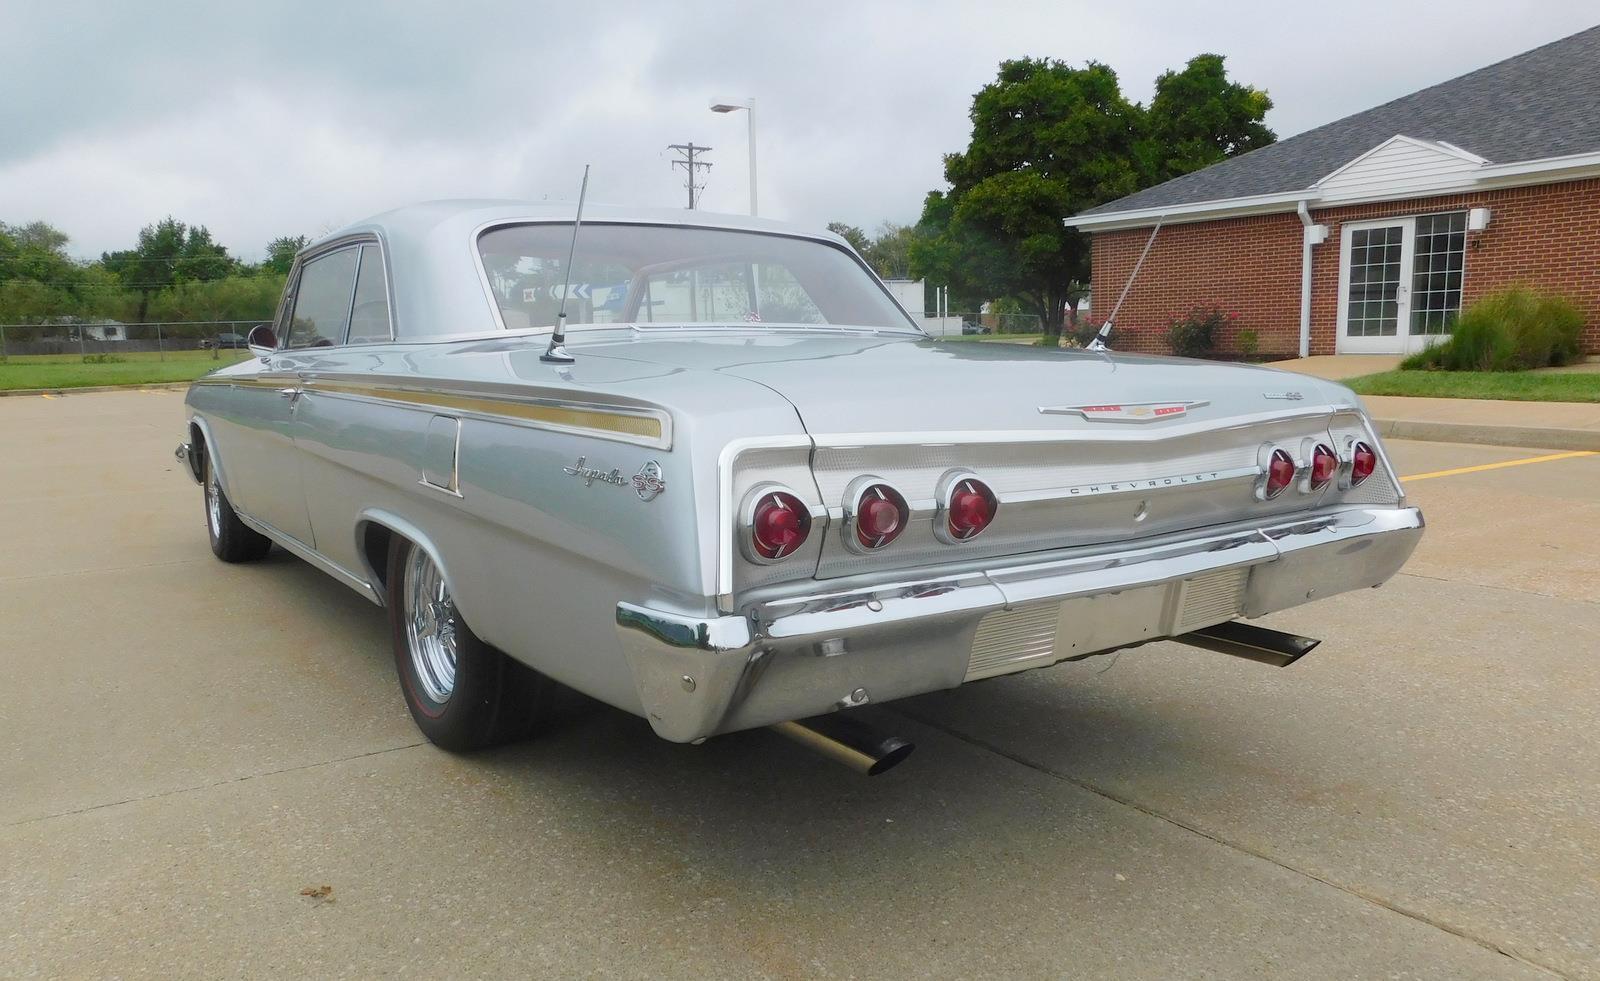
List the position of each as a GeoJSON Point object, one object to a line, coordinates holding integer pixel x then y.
{"type": "Point", "coordinates": [687, 153]}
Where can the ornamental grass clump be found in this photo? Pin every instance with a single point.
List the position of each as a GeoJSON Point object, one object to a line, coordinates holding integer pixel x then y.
{"type": "Point", "coordinates": [1513, 330]}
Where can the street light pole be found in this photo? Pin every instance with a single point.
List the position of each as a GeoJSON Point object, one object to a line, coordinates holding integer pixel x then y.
{"type": "Point", "coordinates": [749, 107]}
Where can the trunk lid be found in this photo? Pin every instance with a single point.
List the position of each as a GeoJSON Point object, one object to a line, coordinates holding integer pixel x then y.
{"type": "Point", "coordinates": [1128, 447]}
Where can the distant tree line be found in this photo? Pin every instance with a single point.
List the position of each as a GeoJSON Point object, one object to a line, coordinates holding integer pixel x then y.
{"type": "Point", "coordinates": [174, 272]}
{"type": "Point", "coordinates": [1048, 140]}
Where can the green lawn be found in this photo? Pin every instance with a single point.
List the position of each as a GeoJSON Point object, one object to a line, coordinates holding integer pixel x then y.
{"type": "Point", "coordinates": [1521, 386]}
{"type": "Point", "coordinates": [143, 368]}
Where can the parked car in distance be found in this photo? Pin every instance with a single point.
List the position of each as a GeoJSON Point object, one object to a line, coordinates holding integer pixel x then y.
{"type": "Point", "coordinates": [231, 339]}
{"type": "Point", "coordinates": [752, 492]}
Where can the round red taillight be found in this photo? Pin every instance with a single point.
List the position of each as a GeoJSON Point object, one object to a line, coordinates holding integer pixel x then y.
{"type": "Point", "coordinates": [971, 509]}
{"type": "Point", "coordinates": [1324, 464]}
{"type": "Point", "coordinates": [1362, 462]}
{"type": "Point", "coordinates": [1280, 473]}
{"type": "Point", "coordinates": [880, 516]}
{"type": "Point", "coordinates": [778, 525]}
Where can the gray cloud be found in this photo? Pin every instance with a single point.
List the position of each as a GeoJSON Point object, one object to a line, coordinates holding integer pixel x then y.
{"type": "Point", "coordinates": [260, 119]}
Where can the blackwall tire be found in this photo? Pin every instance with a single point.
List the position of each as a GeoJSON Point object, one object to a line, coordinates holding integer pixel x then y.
{"type": "Point", "coordinates": [462, 693]}
{"type": "Point", "coordinates": [231, 540]}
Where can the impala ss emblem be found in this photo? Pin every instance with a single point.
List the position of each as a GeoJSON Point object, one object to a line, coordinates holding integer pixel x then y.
{"type": "Point", "coordinates": [1126, 412]}
{"type": "Point", "coordinates": [590, 474]}
{"type": "Point", "coordinates": [648, 482]}
{"type": "Point", "coordinates": [1283, 396]}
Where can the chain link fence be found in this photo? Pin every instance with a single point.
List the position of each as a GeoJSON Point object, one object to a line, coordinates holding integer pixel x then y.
{"type": "Point", "coordinates": [983, 323]}
{"type": "Point", "coordinates": [113, 340]}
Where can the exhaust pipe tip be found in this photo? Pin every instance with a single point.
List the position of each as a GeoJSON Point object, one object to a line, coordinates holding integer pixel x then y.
{"type": "Point", "coordinates": [851, 741]}
{"type": "Point", "coordinates": [1251, 642]}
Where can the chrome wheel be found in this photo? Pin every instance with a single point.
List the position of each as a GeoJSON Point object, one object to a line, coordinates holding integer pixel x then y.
{"type": "Point", "coordinates": [213, 503]}
{"type": "Point", "coordinates": [431, 621]}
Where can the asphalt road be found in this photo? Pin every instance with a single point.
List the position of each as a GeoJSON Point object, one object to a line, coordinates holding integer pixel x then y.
{"type": "Point", "coordinates": [188, 748]}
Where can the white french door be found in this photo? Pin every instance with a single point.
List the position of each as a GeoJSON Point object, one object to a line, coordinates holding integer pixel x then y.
{"type": "Point", "coordinates": [1400, 282]}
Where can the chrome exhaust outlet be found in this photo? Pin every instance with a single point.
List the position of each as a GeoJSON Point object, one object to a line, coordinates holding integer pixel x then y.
{"type": "Point", "coordinates": [848, 740]}
{"type": "Point", "coordinates": [187, 455]}
{"type": "Point", "coordinates": [1251, 642]}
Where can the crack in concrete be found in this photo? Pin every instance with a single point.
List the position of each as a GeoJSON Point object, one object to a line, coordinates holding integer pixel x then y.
{"type": "Point", "coordinates": [211, 785]}
{"type": "Point", "coordinates": [1239, 847]}
{"type": "Point", "coordinates": [100, 570]}
{"type": "Point", "coordinates": [1503, 589]}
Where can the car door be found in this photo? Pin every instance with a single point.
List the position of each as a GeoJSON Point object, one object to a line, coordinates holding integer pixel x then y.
{"type": "Point", "coordinates": [263, 465]}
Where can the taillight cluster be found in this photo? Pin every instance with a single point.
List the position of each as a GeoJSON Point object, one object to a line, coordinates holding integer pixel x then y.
{"type": "Point", "coordinates": [776, 522]}
{"type": "Point", "coordinates": [879, 516]}
{"type": "Point", "coordinates": [1279, 469]}
{"type": "Point", "coordinates": [779, 524]}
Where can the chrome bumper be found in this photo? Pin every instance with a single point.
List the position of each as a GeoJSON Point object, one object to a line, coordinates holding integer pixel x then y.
{"type": "Point", "coordinates": [793, 658]}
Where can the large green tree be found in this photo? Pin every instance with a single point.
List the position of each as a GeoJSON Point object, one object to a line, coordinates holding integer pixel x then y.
{"type": "Point", "coordinates": [36, 251]}
{"type": "Point", "coordinates": [850, 233]}
{"type": "Point", "coordinates": [1198, 118]}
{"type": "Point", "coordinates": [169, 252]}
{"type": "Point", "coordinates": [281, 252]}
{"type": "Point", "coordinates": [1050, 140]}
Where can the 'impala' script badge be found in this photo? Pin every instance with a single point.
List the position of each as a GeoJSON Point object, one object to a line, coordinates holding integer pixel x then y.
{"type": "Point", "coordinates": [648, 482]}
{"type": "Point", "coordinates": [589, 474]}
{"type": "Point", "coordinates": [1126, 412]}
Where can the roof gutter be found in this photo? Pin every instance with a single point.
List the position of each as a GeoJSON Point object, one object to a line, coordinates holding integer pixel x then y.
{"type": "Point", "coordinates": [1259, 204]}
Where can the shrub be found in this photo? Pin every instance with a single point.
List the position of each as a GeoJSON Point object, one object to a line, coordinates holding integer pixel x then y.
{"type": "Point", "coordinates": [102, 359]}
{"type": "Point", "coordinates": [1081, 335]}
{"type": "Point", "coordinates": [1249, 344]}
{"type": "Point", "coordinates": [1195, 334]}
{"type": "Point", "coordinates": [1513, 330]}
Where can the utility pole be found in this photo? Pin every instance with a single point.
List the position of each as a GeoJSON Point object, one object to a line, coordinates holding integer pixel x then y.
{"type": "Point", "coordinates": [687, 153]}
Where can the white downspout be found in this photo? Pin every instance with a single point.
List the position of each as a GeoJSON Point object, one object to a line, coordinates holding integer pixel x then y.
{"type": "Point", "coordinates": [1310, 235]}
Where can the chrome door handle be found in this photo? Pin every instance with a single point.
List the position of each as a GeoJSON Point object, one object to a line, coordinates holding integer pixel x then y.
{"type": "Point", "coordinates": [289, 393]}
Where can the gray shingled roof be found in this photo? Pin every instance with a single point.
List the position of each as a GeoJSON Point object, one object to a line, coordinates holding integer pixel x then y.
{"type": "Point", "coordinates": [1543, 103]}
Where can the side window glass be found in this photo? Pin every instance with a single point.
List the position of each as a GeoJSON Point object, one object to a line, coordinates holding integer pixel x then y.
{"type": "Point", "coordinates": [280, 324]}
{"type": "Point", "coordinates": [322, 303]}
{"type": "Point", "coordinates": [369, 320]}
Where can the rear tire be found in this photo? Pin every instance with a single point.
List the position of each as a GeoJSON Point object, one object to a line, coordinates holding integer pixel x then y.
{"type": "Point", "coordinates": [231, 539]}
{"type": "Point", "coordinates": [462, 693]}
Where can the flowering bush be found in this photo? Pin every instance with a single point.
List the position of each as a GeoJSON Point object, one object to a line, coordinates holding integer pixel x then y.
{"type": "Point", "coordinates": [1194, 335]}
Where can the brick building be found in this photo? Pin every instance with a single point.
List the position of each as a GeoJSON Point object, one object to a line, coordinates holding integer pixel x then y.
{"type": "Point", "coordinates": [1367, 235]}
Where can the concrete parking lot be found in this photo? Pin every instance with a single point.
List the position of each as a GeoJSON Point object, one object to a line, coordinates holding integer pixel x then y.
{"type": "Point", "coordinates": [188, 749]}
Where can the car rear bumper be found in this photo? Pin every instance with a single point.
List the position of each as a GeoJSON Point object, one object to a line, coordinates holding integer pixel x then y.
{"type": "Point", "coordinates": [794, 658]}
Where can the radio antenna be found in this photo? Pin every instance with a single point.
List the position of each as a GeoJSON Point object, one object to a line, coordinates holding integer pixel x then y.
{"type": "Point", "coordinates": [556, 353]}
{"type": "Point", "coordinates": [1099, 342]}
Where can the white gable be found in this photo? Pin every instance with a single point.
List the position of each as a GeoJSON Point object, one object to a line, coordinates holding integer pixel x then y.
{"type": "Point", "coordinates": [1400, 167]}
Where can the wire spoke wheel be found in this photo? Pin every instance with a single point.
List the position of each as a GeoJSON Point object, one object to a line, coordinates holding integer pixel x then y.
{"type": "Point", "coordinates": [213, 503]}
{"type": "Point", "coordinates": [431, 623]}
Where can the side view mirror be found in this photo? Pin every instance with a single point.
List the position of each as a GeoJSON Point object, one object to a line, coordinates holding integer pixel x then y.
{"type": "Point", "coordinates": [262, 341]}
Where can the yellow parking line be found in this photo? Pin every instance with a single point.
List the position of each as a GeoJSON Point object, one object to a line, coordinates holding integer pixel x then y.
{"type": "Point", "coordinates": [1504, 463]}
{"type": "Point", "coordinates": [46, 395]}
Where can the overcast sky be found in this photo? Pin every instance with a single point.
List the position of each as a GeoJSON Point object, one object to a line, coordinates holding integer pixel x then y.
{"type": "Point", "coordinates": [276, 117]}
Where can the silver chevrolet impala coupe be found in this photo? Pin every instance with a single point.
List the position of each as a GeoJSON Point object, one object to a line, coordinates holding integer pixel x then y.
{"type": "Point", "coordinates": [744, 489]}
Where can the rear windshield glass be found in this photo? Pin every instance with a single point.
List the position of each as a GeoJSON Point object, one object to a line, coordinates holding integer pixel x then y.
{"type": "Point", "coordinates": [658, 274]}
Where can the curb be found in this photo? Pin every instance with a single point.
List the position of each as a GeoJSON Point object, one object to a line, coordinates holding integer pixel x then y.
{"type": "Point", "coordinates": [151, 387]}
{"type": "Point", "coordinates": [1456, 432]}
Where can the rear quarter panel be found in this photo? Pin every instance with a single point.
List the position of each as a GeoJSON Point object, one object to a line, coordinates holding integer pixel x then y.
{"type": "Point", "coordinates": [536, 557]}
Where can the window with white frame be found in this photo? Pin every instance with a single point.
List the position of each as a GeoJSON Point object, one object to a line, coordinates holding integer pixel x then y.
{"type": "Point", "coordinates": [1437, 265]}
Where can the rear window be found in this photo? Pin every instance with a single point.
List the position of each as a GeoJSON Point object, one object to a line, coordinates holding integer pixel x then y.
{"type": "Point", "coordinates": [657, 274]}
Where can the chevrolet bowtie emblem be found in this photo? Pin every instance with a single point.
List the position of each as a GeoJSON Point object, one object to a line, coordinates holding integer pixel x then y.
{"type": "Point", "coordinates": [1124, 412]}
